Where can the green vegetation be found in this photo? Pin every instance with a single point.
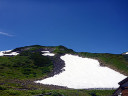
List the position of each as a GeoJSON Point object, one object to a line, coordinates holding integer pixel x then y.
{"type": "Point", "coordinates": [58, 92]}
{"type": "Point", "coordinates": [25, 65]}
{"type": "Point", "coordinates": [30, 48]}
{"type": "Point", "coordinates": [62, 50]}
{"type": "Point", "coordinates": [17, 73]}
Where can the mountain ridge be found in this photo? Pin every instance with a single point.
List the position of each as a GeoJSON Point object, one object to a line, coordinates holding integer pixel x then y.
{"type": "Point", "coordinates": [63, 50]}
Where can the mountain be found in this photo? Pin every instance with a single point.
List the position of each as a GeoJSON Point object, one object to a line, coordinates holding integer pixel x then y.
{"type": "Point", "coordinates": [21, 67]}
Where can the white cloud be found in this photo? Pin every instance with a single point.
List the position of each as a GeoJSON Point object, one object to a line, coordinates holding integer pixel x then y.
{"type": "Point", "coordinates": [6, 34]}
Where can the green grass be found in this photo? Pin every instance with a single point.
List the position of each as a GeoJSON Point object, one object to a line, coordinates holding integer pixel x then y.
{"type": "Point", "coordinates": [20, 67]}
{"type": "Point", "coordinates": [62, 50]}
{"type": "Point", "coordinates": [19, 72]}
{"type": "Point", "coordinates": [58, 92]}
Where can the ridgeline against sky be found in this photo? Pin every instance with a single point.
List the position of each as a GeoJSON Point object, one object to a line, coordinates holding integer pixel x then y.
{"type": "Point", "coordinates": [99, 26]}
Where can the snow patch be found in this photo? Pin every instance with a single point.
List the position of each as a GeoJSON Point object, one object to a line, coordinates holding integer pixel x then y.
{"type": "Point", "coordinates": [126, 53]}
{"type": "Point", "coordinates": [12, 53]}
{"type": "Point", "coordinates": [8, 53]}
{"type": "Point", "coordinates": [47, 53]}
{"type": "Point", "coordinates": [84, 73]}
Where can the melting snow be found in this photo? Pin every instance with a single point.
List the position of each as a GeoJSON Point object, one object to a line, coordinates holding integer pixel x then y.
{"type": "Point", "coordinates": [47, 53]}
{"type": "Point", "coordinates": [5, 53]}
{"type": "Point", "coordinates": [82, 73]}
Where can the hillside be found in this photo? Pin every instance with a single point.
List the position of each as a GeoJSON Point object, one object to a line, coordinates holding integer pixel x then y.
{"type": "Point", "coordinates": [84, 73]}
{"type": "Point", "coordinates": [19, 68]}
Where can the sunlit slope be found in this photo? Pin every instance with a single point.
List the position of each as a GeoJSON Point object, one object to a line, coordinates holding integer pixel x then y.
{"type": "Point", "coordinates": [82, 73]}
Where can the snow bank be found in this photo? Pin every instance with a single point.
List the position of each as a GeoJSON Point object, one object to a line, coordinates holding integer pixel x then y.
{"type": "Point", "coordinates": [47, 53]}
{"type": "Point", "coordinates": [8, 53]}
{"type": "Point", "coordinates": [83, 73]}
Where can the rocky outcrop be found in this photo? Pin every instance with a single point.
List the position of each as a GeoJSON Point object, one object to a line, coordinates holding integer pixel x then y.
{"type": "Point", "coordinates": [58, 64]}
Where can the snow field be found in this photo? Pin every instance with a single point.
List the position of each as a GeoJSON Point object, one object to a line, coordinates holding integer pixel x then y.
{"type": "Point", "coordinates": [84, 73]}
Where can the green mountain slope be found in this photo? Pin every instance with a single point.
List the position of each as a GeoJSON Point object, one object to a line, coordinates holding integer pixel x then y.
{"type": "Point", "coordinates": [17, 73]}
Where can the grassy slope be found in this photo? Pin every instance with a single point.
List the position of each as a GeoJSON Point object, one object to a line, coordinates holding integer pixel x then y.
{"type": "Point", "coordinates": [18, 72]}
{"type": "Point", "coordinates": [58, 92]}
{"type": "Point", "coordinates": [15, 72]}
{"type": "Point", "coordinates": [23, 67]}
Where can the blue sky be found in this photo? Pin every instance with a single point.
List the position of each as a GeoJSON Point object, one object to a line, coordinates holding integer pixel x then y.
{"type": "Point", "coordinates": [98, 26]}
